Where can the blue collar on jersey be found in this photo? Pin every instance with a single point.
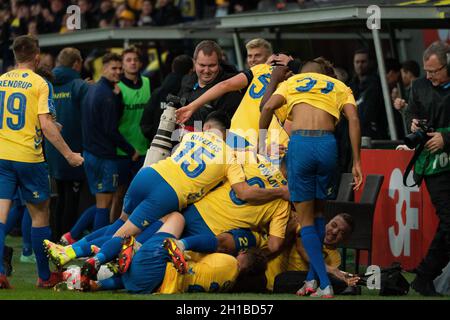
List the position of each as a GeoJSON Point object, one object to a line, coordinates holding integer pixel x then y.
{"type": "Point", "coordinates": [196, 85]}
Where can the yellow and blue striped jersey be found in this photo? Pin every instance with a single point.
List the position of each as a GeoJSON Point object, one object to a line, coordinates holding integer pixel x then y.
{"type": "Point", "coordinates": [201, 162]}
{"type": "Point", "coordinates": [24, 95]}
{"type": "Point", "coordinates": [245, 122]}
{"type": "Point", "coordinates": [317, 90]}
{"type": "Point", "coordinates": [216, 272]}
{"type": "Point", "coordinates": [222, 210]}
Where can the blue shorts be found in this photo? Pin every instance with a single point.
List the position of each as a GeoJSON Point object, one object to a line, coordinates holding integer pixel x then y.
{"type": "Point", "coordinates": [148, 266]}
{"type": "Point", "coordinates": [102, 174]}
{"type": "Point", "coordinates": [194, 223]}
{"type": "Point", "coordinates": [243, 239]}
{"type": "Point", "coordinates": [128, 169]}
{"type": "Point", "coordinates": [149, 198]}
{"type": "Point", "coordinates": [311, 164]}
{"type": "Point", "coordinates": [31, 178]}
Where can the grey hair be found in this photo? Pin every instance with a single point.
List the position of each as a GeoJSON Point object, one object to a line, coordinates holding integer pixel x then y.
{"type": "Point", "coordinates": [440, 49]}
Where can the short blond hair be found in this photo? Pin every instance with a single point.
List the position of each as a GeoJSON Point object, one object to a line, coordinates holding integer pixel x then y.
{"type": "Point", "coordinates": [68, 56]}
{"type": "Point", "coordinates": [259, 43]}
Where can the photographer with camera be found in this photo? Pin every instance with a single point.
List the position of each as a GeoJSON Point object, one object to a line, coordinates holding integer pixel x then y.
{"type": "Point", "coordinates": [209, 70]}
{"type": "Point", "coordinates": [428, 113]}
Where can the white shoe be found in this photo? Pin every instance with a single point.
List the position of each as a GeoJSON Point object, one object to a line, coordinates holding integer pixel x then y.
{"type": "Point", "coordinates": [326, 293]}
{"type": "Point", "coordinates": [309, 287]}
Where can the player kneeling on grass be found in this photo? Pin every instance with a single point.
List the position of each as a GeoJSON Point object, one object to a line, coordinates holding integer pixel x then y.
{"type": "Point", "coordinates": [151, 270]}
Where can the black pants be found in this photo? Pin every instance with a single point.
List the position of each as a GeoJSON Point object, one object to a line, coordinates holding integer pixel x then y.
{"type": "Point", "coordinates": [291, 281]}
{"type": "Point", "coordinates": [438, 254]}
{"type": "Point", "coordinates": [73, 197]}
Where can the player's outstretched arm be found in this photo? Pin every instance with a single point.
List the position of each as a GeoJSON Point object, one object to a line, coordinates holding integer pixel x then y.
{"type": "Point", "coordinates": [256, 195]}
{"type": "Point", "coordinates": [235, 83]}
{"type": "Point", "coordinates": [51, 132]}
{"type": "Point", "coordinates": [355, 138]}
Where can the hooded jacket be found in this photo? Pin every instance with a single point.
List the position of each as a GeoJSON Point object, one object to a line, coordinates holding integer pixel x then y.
{"type": "Point", "coordinates": [69, 92]}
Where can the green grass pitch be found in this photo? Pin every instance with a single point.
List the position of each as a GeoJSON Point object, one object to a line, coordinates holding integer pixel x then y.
{"type": "Point", "coordinates": [24, 278]}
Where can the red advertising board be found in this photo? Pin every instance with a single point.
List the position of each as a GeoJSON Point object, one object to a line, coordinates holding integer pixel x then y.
{"type": "Point", "coordinates": [405, 221]}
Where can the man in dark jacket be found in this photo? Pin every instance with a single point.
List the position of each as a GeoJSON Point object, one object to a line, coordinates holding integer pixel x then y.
{"type": "Point", "coordinates": [69, 91]}
{"type": "Point", "coordinates": [101, 137]}
{"type": "Point", "coordinates": [181, 66]}
{"type": "Point", "coordinates": [208, 72]}
{"type": "Point", "coordinates": [366, 88]}
{"type": "Point", "coordinates": [430, 101]}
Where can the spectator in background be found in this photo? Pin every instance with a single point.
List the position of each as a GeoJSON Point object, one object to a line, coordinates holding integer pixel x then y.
{"type": "Point", "coordinates": [181, 66]}
{"type": "Point", "coordinates": [33, 27]}
{"type": "Point", "coordinates": [146, 17]}
{"type": "Point", "coordinates": [410, 71]}
{"type": "Point", "coordinates": [105, 12]}
{"type": "Point", "coordinates": [393, 76]}
{"type": "Point", "coordinates": [20, 22]}
{"type": "Point", "coordinates": [258, 51]}
{"type": "Point", "coordinates": [239, 6]}
{"type": "Point", "coordinates": [56, 15]}
{"type": "Point", "coordinates": [47, 61]}
{"type": "Point", "coordinates": [5, 37]}
{"type": "Point", "coordinates": [366, 89]}
{"type": "Point", "coordinates": [208, 72]}
{"type": "Point", "coordinates": [126, 19]}
{"type": "Point", "coordinates": [341, 74]}
{"type": "Point", "coordinates": [87, 18]}
{"type": "Point", "coordinates": [69, 91]}
{"type": "Point", "coordinates": [167, 13]}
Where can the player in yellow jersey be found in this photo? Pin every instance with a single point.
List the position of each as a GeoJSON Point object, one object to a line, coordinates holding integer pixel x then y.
{"type": "Point", "coordinates": [244, 124]}
{"type": "Point", "coordinates": [294, 257]}
{"type": "Point", "coordinates": [152, 272]}
{"type": "Point", "coordinates": [314, 103]}
{"type": "Point", "coordinates": [221, 211]}
{"type": "Point", "coordinates": [26, 106]}
{"type": "Point", "coordinates": [201, 162]}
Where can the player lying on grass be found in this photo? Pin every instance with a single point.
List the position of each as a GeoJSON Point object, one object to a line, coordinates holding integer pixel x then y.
{"type": "Point", "coordinates": [219, 211]}
{"type": "Point", "coordinates": [202, 161]}
{"type": "Point", "coordinates": [295, 258]}
{"type": "Point", "coordinates": [152, 272]}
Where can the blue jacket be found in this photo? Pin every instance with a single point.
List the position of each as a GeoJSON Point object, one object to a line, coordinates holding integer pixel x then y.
{"type": "Point", "coordinates": [100, 124]}
{"type": "Point", "coordinates": [69, 91]}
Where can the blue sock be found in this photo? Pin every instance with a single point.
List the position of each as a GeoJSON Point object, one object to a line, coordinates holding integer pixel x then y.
{"type": "Point", "coordinates": [313, 248]}
{"type": "Point", "coordinates": [112, 228]}
{"type": "Point", "coordinates": [319, 224]}
{"type": "Point", "coordinates": [110, 250]}
{"type": "Point", "coordinates": [83, 223]}
{"type": "Point", "coordinates": [27, 250]}
{"type": "Point", "coordinates": [96, 234]}
{"type": "Point", "coordinates": [82, 248]}
{"type": "Point", "coordinates": [201, 243]}
{"type": "Point", "coordinates": [113, 283]}
{"type": "Point", "coordinates": [149, 231]}
{"type": "Point", "coordinates": [14, 215]}
{"type": "Point", "coordinates": [38, 235]}
{"type": "Point", "coordinates": [2, 245]}
{"type": "Point", "coordinates": [101, 218]}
